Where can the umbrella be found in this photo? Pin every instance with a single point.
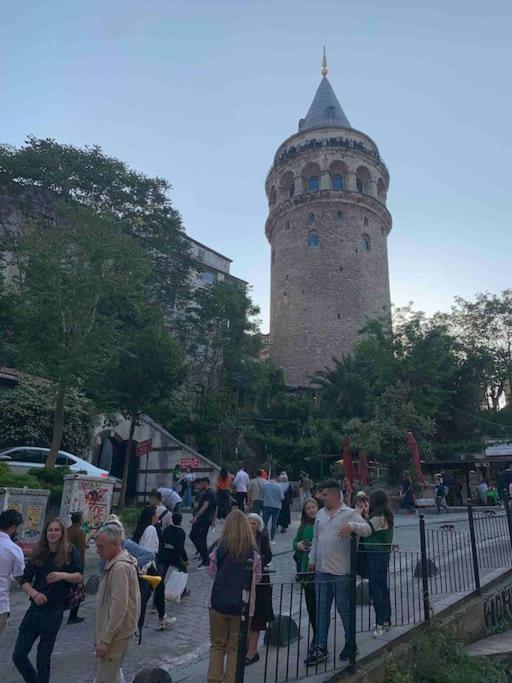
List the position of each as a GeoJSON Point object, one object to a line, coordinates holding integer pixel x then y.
{"type": "Point", "coordinates": [411, 442]}
{"type": "Point", "coordinates": [348, 467]}
{"type": "Point", "coordinates": [363, 467]}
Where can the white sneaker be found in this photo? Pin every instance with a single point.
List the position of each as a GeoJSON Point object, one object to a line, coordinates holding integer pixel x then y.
{"type": "Point", "coordinates": [166, 622]}
{"type": "Point", "coordinates": [273, 543]}
{"type": "Point", "coordinates": [379, 631]}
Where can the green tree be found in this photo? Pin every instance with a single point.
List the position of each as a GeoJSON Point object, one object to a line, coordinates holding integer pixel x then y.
{"type": "Point", "coordinates": [147, 370]}
{"type": "Point", "coordinates": [27, 414]}
{"type": "Point", "coordinates": [219, 333]}
{"type": "Point", "coordinates": [42, 171]}
{"type": "Point", "coordinates": [77, 277]}
{"type": "Point", "coordinates": [485, 329]}
{"type": "Point", "coordinates": [343, 390]}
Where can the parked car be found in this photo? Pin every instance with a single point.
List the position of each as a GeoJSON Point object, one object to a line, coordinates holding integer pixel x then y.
{"type": "Point", "coordinates": [21, 459]}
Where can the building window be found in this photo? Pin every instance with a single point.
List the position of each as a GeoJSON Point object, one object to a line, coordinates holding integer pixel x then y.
{"type": "Point", "coordinates": [201, 255]}
{"type": "Point", "coordinates": [339, 316]}
{"type": "Point", "coordinates": [311, 218]}
{"type": "Point", "coordinates": [292, 190]}
{"type": "Point", "coordinates": [359, 185]}
{"type": "Point", "coordinates": [365, 220]}
{"type": "Point", "coordinates": [287, 225]}
{"type": "Point", "coordinates": [337, 182]}
{"type": "Point", "coordinates": [339, 216]}
{"type": "Point", "coordinates": [366, 243]}
{"type": "Point", "coordinates": [313, 184]}
{"type": "Point", "coordinates": [313, 241]}
{"type": "Point", "coordinates": [208, 276]}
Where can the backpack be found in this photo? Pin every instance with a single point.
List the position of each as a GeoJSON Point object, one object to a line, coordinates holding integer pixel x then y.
{"type": "Point", "coordinates": [230, 581]}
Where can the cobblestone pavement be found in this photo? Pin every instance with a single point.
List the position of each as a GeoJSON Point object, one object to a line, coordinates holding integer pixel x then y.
{"type": "Point", "coordinates": [181, 649]}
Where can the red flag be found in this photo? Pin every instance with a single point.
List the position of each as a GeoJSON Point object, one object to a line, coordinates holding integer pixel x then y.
{"type": "Point", "coordinates": [411, 442]}
{"type": "Point", "coordinates": [348, 467]}
{"type": "Point", "coordinates": [363, 467]}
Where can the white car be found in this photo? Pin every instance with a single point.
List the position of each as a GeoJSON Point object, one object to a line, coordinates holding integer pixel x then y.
{"type": "Point", "coordinates": [22, 458]}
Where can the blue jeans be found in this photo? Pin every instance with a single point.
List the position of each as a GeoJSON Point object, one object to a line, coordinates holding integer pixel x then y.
{"type": "Point", "coordinates": [187, 502]}
{"type": "Point", "coordinates": [257, 506]}
{"type": "Point", "coordinates": [271, 513]}
{"type": "Point", "coordinates": [378, 584]}
{"type": "Point", "coordinates": [330, 587]}
{"type": "Point", "coordinates": [43, 623]}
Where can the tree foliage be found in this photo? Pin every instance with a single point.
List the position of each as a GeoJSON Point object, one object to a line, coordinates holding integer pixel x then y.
{"type": "Point", "coordinates": [26, 417]}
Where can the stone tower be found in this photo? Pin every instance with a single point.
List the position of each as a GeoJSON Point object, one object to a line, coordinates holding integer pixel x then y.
{"type": "Point", "coordinates": [327, 226]}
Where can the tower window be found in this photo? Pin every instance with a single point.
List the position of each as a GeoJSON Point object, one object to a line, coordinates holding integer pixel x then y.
{"type": "Point", "coordinates": [337, 182]}
{"type": "Point", "coordinates": [339, 216]}
{"type": "Point", "coordinates": [359, 185]}
{"type": "Point", "coordinates": [313, 183]}
{"type": "Point", "coordinates": [287, 225]}
{"type": "Point", "coordinates": [366, 243]}
{"type": "Point", "coordinates": [311, 218]}
{"type": "Point", "coordinates": [365, 220]}
{"type": "Point", "coordinates": [292, 190]}
{"type": "Point", "coordinates": [313, 241]}
{"type": "Point", "coordinates": [339, 316]}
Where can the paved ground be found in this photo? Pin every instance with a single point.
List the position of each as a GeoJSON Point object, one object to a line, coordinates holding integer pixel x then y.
{"type": "Point", "coordinates": [183, 650]}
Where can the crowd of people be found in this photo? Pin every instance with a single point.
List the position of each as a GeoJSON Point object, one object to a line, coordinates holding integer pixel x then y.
{"type": "Point", "coordinates": [132, 570]}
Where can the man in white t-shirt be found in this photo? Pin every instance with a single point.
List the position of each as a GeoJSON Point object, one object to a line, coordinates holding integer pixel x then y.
{"type": "Point", "coordinates": [170, 499]}
{"type": "Point", "coordinates": [241, 486]}
{"type": "Point", "coordinates": [12, 562]}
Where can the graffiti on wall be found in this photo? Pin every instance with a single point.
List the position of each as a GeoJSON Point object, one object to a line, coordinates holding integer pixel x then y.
{"type": "Point", "coordinates": [498, 607]}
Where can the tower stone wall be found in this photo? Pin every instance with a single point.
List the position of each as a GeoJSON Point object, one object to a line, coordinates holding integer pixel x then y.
{"type": "Point", "coordinates": [327, 226]}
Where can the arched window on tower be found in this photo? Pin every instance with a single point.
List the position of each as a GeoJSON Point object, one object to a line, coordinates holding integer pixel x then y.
{"type": "Point", "coordinates": [359, 185]}
{"type": "Point", "coordinates": [313, 241]}
{"type": "Point", "coordinates": [313, 183]}
{"type": "Point", "coordinates": [337, 182]}
{"type": "Point", "coordinates": [291, 190]}
{"type": "Point", "coordinates": [365, 220]}
{"type": "Point", "coordinates": [366, 243]}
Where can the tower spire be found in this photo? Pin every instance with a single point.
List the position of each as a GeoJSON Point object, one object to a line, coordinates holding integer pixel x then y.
{"type": "Point", "coordinates": [324, 65]}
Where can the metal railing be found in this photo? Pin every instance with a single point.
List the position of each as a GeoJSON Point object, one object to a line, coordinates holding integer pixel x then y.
{"type": "Point", "coordinates": [450, 560]}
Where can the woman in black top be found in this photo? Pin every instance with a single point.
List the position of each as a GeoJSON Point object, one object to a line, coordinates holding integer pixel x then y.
{"type": "Point", "coordinates": [49, 574]}
{"type": "Point", "coordinates": [263, 610]}
{"type": "Point", "coordinates": [171, 553]}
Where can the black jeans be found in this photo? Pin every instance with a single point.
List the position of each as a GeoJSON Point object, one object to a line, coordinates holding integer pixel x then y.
{"type": "Point", "coordinates": [240, 498]}
{"type": "Point", "coordinates": [198, 536]}
{"type": "Point", "coordinates": [310, 596]}
{"type": "Point", "coordinates": [43, 623]}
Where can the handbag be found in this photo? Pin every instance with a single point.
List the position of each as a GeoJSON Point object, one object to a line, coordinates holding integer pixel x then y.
{"type": "Point", "coordinates": [175, 584]}
{"type": "Point", "coordinates": [76, 595]}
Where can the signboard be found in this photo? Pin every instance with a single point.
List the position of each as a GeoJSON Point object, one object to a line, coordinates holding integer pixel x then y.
{"type": "Point", "coordinates": [90, 495]}
{"type": "Point", "coordinates": [31, 504]}
{"type": "Point", "coordinates": [193, 463]}
{"type": "Point", "coordinates": [143, 448]}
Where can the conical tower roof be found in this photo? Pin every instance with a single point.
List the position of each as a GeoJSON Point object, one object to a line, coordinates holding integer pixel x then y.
{"type": "Point", "coordinates": [325, 110]}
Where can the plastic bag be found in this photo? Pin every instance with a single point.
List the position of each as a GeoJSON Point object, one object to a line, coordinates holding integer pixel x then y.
{"type": "Point", "coordinates": [175, 584]}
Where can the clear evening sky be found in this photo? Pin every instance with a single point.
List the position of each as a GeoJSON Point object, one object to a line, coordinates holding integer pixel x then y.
{"type": "Point", "coordinates": [201, 92]}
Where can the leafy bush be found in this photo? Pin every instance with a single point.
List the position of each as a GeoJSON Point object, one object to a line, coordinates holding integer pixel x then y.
{"type": "Point", "coordinates": [26, 417]}
{"type": "Point", "coordinates": [438, 657]}
{"type": "Point", "coordinates": [8, 478]}
{"type": "Point", "coordinates": [53, 480]}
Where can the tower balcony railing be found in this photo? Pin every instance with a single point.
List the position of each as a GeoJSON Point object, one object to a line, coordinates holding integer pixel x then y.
{"type": "Point", "coordinates": [294, 151]}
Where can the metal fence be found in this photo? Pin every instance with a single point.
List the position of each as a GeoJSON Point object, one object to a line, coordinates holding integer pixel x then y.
{"type": "Point", "coordinates": [450, 560]}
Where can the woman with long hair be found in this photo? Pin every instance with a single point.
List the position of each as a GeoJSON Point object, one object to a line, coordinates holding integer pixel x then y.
{"type": "Point", "coordinates": [231, 563]}
{"type": "Point", "coordinates": [263, 610]}
{"type": "Point", "coordinates": [145, 533]}
{"type": "Point", "coordinates": [378, 549]}
{"type": "Point", "coordinates": [51, 570]}
{"type": "Point", "coordinates": [302, 545]}
{"type": "Point", "coordinates": [223, 486]}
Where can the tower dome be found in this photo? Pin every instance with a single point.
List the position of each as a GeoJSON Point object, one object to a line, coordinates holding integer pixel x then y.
{"type": "Point", "coordinates": [327, 227]}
